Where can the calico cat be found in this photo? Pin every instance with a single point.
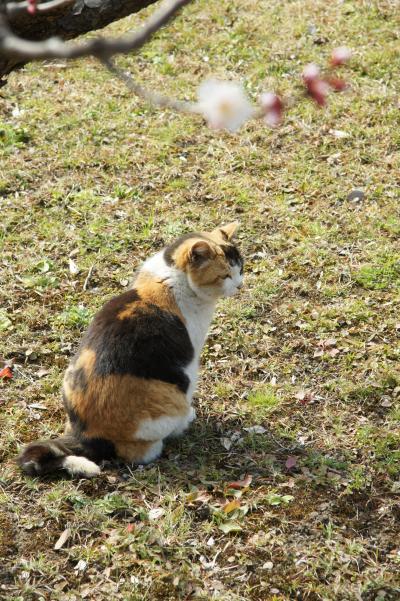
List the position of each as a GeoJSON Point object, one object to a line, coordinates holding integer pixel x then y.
{"type": "Point", "coordinates": [130, 385]}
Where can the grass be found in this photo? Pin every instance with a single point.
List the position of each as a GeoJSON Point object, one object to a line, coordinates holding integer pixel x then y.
{"type": "Point", "coordinates": [301, 370]}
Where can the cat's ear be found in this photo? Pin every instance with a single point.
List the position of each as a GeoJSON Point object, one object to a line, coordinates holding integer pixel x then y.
{"type": "Point", "coordinates": [200, 252]}
{"type": "Point", "coordinates": [228, 231]}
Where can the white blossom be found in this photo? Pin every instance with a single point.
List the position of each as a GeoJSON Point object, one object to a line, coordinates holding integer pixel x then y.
{"type": "Point", "coordinates": [224, 104]}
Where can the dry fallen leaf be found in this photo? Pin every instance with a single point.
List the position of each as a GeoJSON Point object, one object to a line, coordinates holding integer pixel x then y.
{"type": "Point", "coordinates": [229, 527]}
{"type": "Point", "coordinates": [304, 396]}
{"type": "Point", "coordinates": [62, 539]}
{"type": "Point", "coordinates": [255, 430]}
{"type": "Point", "coordinates": [231, 506]}
{"type": "Point", "coordinates": [156, 513]}
{"type": "Point", "coordinates": [238, 484]}
{"type": "Point", "coordinates": [201, 496]}
{"type": "Point", "coordinates": [6, 373]}
{"type": "Point", "coordinates": [226, 443]}
{"type": "Point", "coordinates": [73, 267]}
{"type": "Point", "coordinates": [328, 343]}
{"type": "Point", "coordinates": [42, 372]}
{"type": "Point", "coordinates": [291, 462]}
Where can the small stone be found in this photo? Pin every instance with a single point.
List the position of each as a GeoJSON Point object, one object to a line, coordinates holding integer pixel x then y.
{"type": "Point", "coordinates": [356, 195]}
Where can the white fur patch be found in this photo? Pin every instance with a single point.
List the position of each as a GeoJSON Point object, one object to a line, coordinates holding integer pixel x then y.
{"type": "Point", "coordinates": [152, 453]}
{"type": "Point", "coordinates": [80, 466]}
{"type": "Point", "coordinates": [192, 371]}
{"type": "Point", "coordinates": [184, 423]}
{"type": "Point", "coordinates": [157, 429]}
{"type": "Point", "coordinates": [234, 283]}
{"type": "Point", "coordinates": [157, 266]}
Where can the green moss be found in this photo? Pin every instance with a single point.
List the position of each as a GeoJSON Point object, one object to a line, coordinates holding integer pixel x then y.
{"type": "Point", "coordinates": [382, 275]}
{"type": "Point", "coordinates": [265, 398]}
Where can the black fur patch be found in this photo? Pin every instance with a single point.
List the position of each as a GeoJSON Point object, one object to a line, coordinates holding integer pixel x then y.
{"type": "Point", "coordinates": [169, 251]}
{"type": "Point", "coordinates": [77, 424]}
{"type": "Point", "coordinates": [93, 448]}
{"type": "Point", "coordinates": [233, 255]}
{"type": "Point", "coordinates": [98, 449]}
{"type": "Point", "coordinates": [152, 343]}
{"type": "Point", "coordinates": [39, 459]}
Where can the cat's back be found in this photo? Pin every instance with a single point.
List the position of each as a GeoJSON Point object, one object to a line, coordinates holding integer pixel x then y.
{"type": "Point", "coordinates": [140, 332]}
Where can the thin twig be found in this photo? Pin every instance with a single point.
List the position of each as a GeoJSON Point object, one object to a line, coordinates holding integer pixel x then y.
{"type": "Point", "coordinates": [14, 9]}
{"type": "Point", "coordinates": [89, 275]}
{"type": "Point", "coordinates": [153, 98]}
{"type": "Point", "coordinates": [12, 45]}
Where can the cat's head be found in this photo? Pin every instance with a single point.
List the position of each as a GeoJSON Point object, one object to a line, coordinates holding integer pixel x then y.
{"type": "Point", "coordinates": [211, 261]}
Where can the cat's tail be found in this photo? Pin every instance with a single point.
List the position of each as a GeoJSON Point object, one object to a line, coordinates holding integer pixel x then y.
{"type": "Point", "coordinates": [63, 453]}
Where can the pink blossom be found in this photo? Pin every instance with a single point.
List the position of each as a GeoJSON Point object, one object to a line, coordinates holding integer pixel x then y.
{"type": "Point", "coordinates": [317, 87]}
{"type": "Point", "coordinates": [32, 7]}
{"type": "Point", "coordinates": [337, 84]}
{"type": "Point", "coordinates": [273, 107]}
{"type": "Point", "coordinates": [340, 56]}
{"type": "Point", "coordinates": [311, 72]}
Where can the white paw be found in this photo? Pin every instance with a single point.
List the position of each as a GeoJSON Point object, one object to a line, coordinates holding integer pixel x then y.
{"type": "Point", "coordinates": [80, 466]}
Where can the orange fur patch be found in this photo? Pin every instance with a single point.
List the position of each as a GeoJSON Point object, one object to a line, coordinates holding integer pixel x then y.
{"type": "Point", "coordinates": [154, 291]}
{"type": "Point", "coordinates": [86, 360]}
{"type": "Point", "coordinates": [211, 271]}
{"type": "Point", "coordinates": [113, 407]}
{"type": "Point", "coordinates": [132, 451]}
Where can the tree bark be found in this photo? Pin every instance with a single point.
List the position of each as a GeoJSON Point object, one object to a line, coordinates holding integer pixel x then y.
{"type": "Point", "coordinates": [68, 22]}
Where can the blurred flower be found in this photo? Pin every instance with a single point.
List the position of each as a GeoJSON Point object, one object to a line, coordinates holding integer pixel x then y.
{"type": "Point", "coordinates": [340, 56]}
{"type": "Point", "coordinates": [337, 84]}
{"type": "Point", "coordinates": [273, 107]}
{"type": "Point", "coordinates": [31, 7]}
{"type": "Point", "coordinates": [311, 72]}
{"type": "Point", "coordinates": [224, 104]}
{"type": "Point", "coordinates": [317, 87]}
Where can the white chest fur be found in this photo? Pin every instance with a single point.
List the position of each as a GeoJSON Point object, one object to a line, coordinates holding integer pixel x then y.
{"type": "Point", "coordinates": [198, 316]}
{"type": "Point", "coordinates": [196, 311]}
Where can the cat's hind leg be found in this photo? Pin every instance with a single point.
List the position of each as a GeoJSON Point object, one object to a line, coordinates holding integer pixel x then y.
{"type": "Point", "coordinates": [185, 422]}
{"type": "Point", "coordinates": [139, 451]}
{"type": "Point", "coordinates": [166, 425]}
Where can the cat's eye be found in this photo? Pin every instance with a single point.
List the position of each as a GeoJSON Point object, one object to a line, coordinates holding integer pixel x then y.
{"type": "Point", "coordinates": [225, 277]}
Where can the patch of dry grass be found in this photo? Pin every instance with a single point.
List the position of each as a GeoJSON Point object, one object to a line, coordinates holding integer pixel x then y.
{"type": "Point", "coordinates": [309, 353]}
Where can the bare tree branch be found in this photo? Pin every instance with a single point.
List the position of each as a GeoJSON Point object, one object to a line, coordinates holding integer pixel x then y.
{"type": "Point", "coordinates": [66, 21]}
{"type": "Point", "coordinates": [13, 9]}
{"type": "Point", "coordinates": [26, 50]}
